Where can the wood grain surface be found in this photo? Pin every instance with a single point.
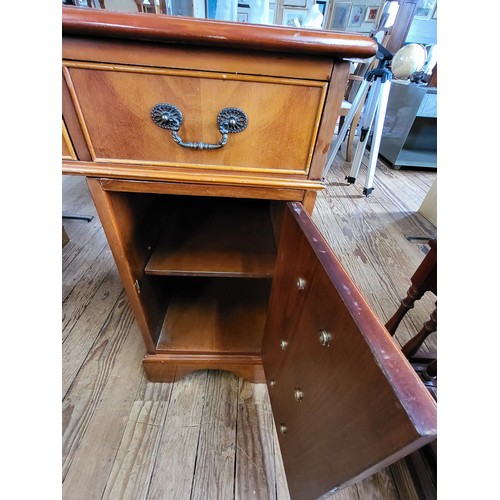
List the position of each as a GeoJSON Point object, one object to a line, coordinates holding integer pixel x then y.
{"type": "Point", "coordinates": [114, 103]}
{"type": "Point", "coordinates": [205, 32]}
{"type": "Point", "coordinates": [368, 236]}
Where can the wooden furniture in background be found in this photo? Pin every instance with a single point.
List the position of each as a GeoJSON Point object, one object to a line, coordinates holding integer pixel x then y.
{"type": "Point", "coordinates": [396, 36]}
{"type": "Point", "coordinates": [270, 303]}
{"type": "Point", "coordinates": [422, 463]}
{"type": "Point", "coordinates": [423, 280]}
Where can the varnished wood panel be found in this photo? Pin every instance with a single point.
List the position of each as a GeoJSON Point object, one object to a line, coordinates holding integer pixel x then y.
{"type": "Point", "coordinates": [215, 175]}
{"type": "Point", "coordinates": [177, 29]}
{"type": "Point", "coordinates": [378, 258]}
{"type": "Point", "coordinates": [362, 405]}
{"type": "Point", "coordinates": [215, 237]}
{"type": "Point", "coordinates": [202, 190]}
{"type": "Point", "coordinates": [115, 104]}
{"type": "Point", "coordinates": [214, 316]}
{"type": "Point", "coordinates": [68, 152]}
{"type": "Point", "coordinates": [71, 122]}
{"type": "Point", "coordinates": [241, 62]}
{"type": "Point", "coordinates": [162, 367]}
{"type": "Point", "coordinates": [129, 230]}
{"type": "Point", "coordinates": [336, 90]}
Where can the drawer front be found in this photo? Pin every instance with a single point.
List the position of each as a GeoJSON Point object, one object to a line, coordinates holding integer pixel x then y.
{"type": "Point", "coordinates": [114, 105]}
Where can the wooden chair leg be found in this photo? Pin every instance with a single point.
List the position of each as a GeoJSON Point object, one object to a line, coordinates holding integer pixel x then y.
{"type": "Point", "coordinates": [413, 345]}
{"type": "Point", "coordinates": [430, 373]}
{"type": "Point", "coordinates": [424, 279]}
{"type": "Point", "coordinates": [407, 303]}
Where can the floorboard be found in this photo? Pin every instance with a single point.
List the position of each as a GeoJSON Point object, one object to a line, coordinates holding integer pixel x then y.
{"type": "Point", "coordinates": [210, 434]}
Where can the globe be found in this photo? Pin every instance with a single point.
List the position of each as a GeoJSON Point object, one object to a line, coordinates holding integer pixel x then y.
{"type": "Point", "coordinates": [408, 60]}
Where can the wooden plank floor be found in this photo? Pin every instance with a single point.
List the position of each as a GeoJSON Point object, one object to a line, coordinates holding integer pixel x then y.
{"type": "Point", "coordinates": [211, 435]}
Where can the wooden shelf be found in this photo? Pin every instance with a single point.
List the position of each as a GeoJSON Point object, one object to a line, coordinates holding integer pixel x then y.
{"type": "Point", "coordinates": [215, 315]}
{"type": "Point", "coordinates": [216, 237]}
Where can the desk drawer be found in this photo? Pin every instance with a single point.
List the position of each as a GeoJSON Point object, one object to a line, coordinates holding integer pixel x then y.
{"type": "Point", "coordinates": [114, 104]}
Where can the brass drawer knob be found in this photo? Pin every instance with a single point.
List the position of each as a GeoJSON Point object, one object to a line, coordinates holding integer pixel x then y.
{"type": "Point", "coordinates": [301, 283]}
{"type": "Point", "coordinates": [283, 429]}
{"type": "Point", "coordinates": [229, 120]}
{"type": "Point", "coordinates": [325, 337]}
{"type": "Point", "coordinates": [298, 394]}
{"type": "Point", "coordinates": [283, 344]}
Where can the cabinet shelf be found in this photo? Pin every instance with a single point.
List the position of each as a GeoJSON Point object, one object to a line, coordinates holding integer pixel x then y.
{"type": "Point", "coordinates": [214, 315]}
{"type": "Point", "coordinates": [216, 237]}
{"type": "Point", "coordinates": [417, 158]}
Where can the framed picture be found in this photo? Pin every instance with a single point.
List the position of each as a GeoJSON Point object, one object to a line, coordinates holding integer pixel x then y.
{"type": "Point", "coordinates": [424, 9]}
{"type": "Point", "coordinates": [322, 6]}
{"type": "Point", "coordinates": [294, 17]}
{"type": "Point", "coordinates": [357, 16]}
{"type": "Point", "coordinates": [371, 14]}
{"type": "Point", "coordinates": [340, 16]}
{"type": "Point", "coordinates": [210, 7]}
{"type": "Point", "coordinates": [295, 3]}
{"type": "Point", "coordinates": [242, 13]}
{"type": "Point", "coordinates": [272, 13]}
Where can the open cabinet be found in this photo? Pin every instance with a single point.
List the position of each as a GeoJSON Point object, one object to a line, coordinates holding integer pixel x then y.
{"type": "Point", "coordinates": [215, 247]}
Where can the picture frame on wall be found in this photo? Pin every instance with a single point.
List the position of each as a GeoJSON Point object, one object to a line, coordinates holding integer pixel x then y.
{"type": "Point", "coordinates": [243, 12]}
{"type": "Point", "coordinates": [272, 13]}
{"type": "Point", "coordinates": [371, 13]}
{"type": "Point", "coordinates": [357, 16]}
{"type": "Point", "coordinates": [291, 16]}
{"type": "Point", "coordinates": [340, 16]}
{"type": "Point", "coordinates": [425, 9]}
{"type": "Point", "coordinates": [322, 6]}
{"type": "Point", "coordinates": [295, 3]}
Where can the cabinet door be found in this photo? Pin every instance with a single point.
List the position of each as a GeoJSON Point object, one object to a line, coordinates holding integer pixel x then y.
{"type": "Point", "coordinates": [346, 402]}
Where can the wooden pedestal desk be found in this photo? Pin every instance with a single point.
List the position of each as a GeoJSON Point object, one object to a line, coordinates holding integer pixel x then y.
{"type": "Point", "coordinates": [203, 143]}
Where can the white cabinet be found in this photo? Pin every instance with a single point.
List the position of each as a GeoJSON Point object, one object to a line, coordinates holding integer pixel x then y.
{"type": "Point", "coordinates": [409, 136]}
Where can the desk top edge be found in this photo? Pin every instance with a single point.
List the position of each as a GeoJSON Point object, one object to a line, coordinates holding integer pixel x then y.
{"type": "Point", "coordinates": [214, 33]}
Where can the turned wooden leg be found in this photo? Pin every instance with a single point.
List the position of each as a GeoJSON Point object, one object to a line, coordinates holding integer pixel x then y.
{"type": "Point", "coordinates": [430, 373]}
{"type": "Point", "coordinates": [407, 303]}
{"type": "Point", "coordinates": [413, 345]}
{"type": "Point", "coordinates": [424, 279]}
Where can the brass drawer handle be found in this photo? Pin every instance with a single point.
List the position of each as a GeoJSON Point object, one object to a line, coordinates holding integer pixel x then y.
{"type": "Point", "coordinates": [229, 120]}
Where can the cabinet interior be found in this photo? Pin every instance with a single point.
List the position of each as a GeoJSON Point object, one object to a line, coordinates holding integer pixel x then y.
{"type": "Point", "coordinates": [204, 268]}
